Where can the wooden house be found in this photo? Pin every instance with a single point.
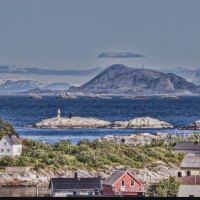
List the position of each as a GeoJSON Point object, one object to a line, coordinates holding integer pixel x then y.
{"type": "Point", "coordinates": [189, 186]}
{"type": "Point", "coordinates": [123, 183]}
{"type": "Point", "coordinates": [10, 145]}
{"type": "Point", "coordinates": [64, 187]}
{"type": "Point", "coordinates": [190, 165]}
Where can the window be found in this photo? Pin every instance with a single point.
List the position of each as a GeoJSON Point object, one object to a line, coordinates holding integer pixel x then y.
{"type": "Point", "coordinates": [8, 150]}
{"type": "Point", "coordinates": [123, 183]}
{"type": "Point", "coordinates": [2, 150]}
{"type": "Point", "coordinates": [132, 183]}
{"type": "Point", "coordinates": [5, 143]}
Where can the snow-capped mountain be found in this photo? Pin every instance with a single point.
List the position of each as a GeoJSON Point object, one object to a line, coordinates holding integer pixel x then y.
{"type": "Point", "coordinates": [15, 86]}
{"type": "Point", "coordinates": [196, 80]}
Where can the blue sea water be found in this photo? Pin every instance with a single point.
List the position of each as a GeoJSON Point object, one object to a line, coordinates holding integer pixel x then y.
{"type": "Point", "coordinates": [23, 111]}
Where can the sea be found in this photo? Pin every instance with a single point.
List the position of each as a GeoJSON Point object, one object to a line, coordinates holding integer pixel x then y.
{"type": "Point", "coordinates": [22, 111]}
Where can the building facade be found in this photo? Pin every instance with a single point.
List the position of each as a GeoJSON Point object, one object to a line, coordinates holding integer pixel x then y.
{"type": "Point", "coordinates": [122, 183]}
{"type": "Point", "coordinates": [190, 165]}
{"type": "Point", "coordinates": [64, 187]}
{"type": "Point", "coordinates": [189, 186]}
{"type": "Point", "coordinates": [10, 146]}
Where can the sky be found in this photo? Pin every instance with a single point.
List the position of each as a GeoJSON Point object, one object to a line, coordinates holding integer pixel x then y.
{"type": "Point", "coordinates": [71, 34]}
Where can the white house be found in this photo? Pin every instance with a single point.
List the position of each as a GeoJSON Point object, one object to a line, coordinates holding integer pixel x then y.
{"type": "Point", "coordinates": [10, 146]}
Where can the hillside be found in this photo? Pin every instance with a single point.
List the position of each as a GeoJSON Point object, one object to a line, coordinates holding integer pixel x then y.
{"type": "Point", "coordinates": [120, 79]}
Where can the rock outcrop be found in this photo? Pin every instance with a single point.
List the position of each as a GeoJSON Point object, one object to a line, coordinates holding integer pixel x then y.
{"type": "Point", "coordinates": [73, 122]}
{"type": "Point", "coordinates": [142, 122]}
{"type": "Point", "coordinates": [194, 126]}
{"type": "Point", "coordinates": [42, 177]}
{"type": "Point", "coordinates": [90, 122]}
{"type": "Point", "coordinates": [134, 139]}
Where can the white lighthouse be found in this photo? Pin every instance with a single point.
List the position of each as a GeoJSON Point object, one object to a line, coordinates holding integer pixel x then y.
{"type": "Point", "coordinates": [59, 112]}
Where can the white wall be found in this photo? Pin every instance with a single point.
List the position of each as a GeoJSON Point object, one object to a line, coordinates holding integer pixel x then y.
{"type": "Point", "coordinates": [8, 149]}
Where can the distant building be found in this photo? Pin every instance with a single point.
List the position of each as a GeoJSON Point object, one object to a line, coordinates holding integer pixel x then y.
{"type": "Point", "coordinates": [63, 187]}
{"type": "Point", "coordinates": [123, 183]}
{"type": "Point", "coordinates": [190, 165]}
{"type": "Point", "coordinates": [189, 186]}
{"type": "Point", "coordinates": [188, 147]}
{"type": "Point", "coordinates": [10, 146]}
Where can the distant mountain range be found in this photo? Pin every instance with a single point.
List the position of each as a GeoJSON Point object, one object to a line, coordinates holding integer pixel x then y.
{"type": "Point", "coordinates": [120, 80]}
{"type": "Point", "coordinates": [39, 71]}
{"type": "Point", "coordinates": [16, 86]}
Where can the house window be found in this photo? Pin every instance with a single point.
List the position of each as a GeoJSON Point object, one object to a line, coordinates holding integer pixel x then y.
{"type": "Point", "coordinates": [132, 183]}
{"type": "Point", "coordinates": [123, 183]}
{"type": "Point", "coordinates": [5, 143]}
{"type": "Point", "coordinates": [8, 150]}
{"type": "Point", "coordinates": [2, 150]}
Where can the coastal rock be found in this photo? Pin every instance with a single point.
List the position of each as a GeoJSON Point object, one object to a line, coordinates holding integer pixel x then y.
{"type": "Point", "coordinates": [143, 122]}
{"type": "Point", "coordinates": [73, 122]}
{"type": "Point", "coordinates": [194, 126]}
{"type": "Point", "coordinates": [90, 122]}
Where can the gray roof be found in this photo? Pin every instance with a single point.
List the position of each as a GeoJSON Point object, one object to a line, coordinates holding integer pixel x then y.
{"type": "Point", "coordinates": [186, 190]}
{"type": "Point", "coordinates": [191, 161]}
{"type": "Point", "coordinates": [75, 183]}
{"type": "Point", "coordinates": [114, 177]}
{"type": "Point", "coordinates": [187, 146]}
{"type": "Point", "coordinates": [13, 140]}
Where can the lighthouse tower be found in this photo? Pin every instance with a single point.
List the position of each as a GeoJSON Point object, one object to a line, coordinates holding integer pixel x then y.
{"type": "Point", "coordinates": [59, 112]}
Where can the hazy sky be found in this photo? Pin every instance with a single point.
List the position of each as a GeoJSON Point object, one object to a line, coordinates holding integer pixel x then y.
{"type": "Point", "coordinates": [72, 33]}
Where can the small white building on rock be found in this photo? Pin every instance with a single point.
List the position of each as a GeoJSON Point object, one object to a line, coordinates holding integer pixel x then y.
{"type": "Point", "coordinates": [10, 145]}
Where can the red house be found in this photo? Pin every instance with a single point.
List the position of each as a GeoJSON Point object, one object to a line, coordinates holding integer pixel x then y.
{"type": "Point", "coordinates": [122, 183]}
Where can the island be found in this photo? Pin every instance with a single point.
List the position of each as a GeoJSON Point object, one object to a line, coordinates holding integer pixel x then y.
{"type": "Point", "coordinates": [91, 122]}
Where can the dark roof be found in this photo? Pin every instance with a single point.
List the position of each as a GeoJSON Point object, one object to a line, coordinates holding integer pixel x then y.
{"type": "Point", "coordinates": [12, 139]}
{"type": "Point", "coordinates": [114, 177]}
{"type": "Point", "coordinates": [75, 183]}
{"type": "Point", "coordinates": [187, 146]}
{"type": "Point", "coordinates": [189, 180]}
{"type": "Point", "coordinates": [191, 161]}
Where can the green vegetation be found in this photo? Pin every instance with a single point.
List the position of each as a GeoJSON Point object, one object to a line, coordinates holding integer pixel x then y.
{"type": "Point", "coordinates": [6, 129]}
{"type": "Point", "coordinates": [164, 188]}
{"type": "Point", "coordinates": [90, 155]}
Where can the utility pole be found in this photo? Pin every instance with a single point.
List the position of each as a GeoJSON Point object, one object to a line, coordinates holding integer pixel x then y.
{"type": "Point", "coordinates": [164, 189]}
{"type": "Point", "coordinates": [37, 190]}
